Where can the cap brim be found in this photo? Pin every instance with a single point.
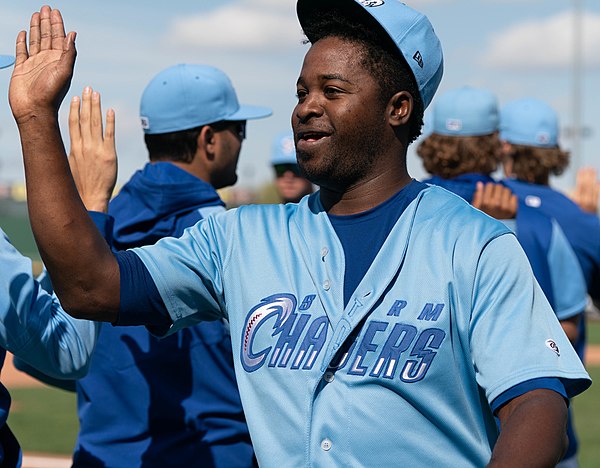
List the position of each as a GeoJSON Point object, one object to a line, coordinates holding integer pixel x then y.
{"type": "Point", "coordinates": [246, 112]}
{"type": "Point", "coordinates": [6, 61]}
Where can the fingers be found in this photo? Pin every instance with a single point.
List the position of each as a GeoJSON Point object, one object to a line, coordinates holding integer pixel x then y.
{"type": "Point", "coordinates": [496, 200]}
{"type": "Point", "coordinates": [478, 195]}
{"type": "Point", "coordinates": [85, 116]}
{"type": "Point", "coordinates": [57, 30]}
{"type": "Point", "coordinates": [109, 133]}
{"type": "Point", "coordinates": [45, 29]}
{"type": "Point", "coordinates": [96, 118]}
{"type": "Point", "coordinates": [21, 54]}
{"type": "Point", "coordinates": [74, 128]}
{"type": "Point", "coordinates": [34, 34]}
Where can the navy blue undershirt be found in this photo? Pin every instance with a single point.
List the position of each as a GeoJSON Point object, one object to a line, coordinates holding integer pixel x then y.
{"type": "Point", "coordinates": [374, 225]}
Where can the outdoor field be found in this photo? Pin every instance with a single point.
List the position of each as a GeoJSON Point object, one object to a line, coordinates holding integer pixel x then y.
{"type": "Point", "coordinates": [45, 422]}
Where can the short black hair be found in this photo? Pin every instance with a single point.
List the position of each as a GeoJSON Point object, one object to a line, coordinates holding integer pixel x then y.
{"type": "Point", "coordinates": [380, 56]}
{"type": "Point", "coordinates": [178, 146]}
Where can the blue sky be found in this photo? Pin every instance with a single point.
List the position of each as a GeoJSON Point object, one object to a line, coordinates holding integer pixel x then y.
{"type": "Point", "coordinates": [514, 48]}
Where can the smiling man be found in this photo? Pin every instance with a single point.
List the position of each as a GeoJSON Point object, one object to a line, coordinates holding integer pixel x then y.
{"type": "Point", "coordinates": [379, 322]}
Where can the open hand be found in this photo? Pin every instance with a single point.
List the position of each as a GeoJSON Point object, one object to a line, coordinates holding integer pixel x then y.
{"type": "Point", "coordinates": [496, 200]}
{"type": "Point", "coordinates": [587, 190]}
{"type": "Point", "coordinates": [42, 75]}
{"type": "Point", "coordinates": [93, 156]}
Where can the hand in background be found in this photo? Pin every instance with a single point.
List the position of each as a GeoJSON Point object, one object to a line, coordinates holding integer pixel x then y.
{"type": "Point", "coordinates": [496, 200]}
{"type": "Point", "coordinates": [587, 190]}
{"type": "Point", "coordinates": [93, 156]}
{"type": "Point", "coordinates": [42, 74]}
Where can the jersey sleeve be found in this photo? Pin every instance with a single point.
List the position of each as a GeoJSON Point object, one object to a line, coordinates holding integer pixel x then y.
{"type": "Point", "coordinates": [188, 272]}
{"type": "Point", "coordinates": [514, 334]}
{"type": "Point", "coordinates": [568, 282]}
{"type": "Point", "coordinates": [34, 327]}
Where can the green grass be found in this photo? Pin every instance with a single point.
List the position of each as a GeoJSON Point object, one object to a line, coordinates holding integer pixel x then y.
{"type": "Point", "coordinates": [593, 333]}
{"type": "Point", "coordinates": [586, 408]}
{"type": "Point", "coordinates": [14, 221]}
{"type": "Point", "coordinates": [44, 419]}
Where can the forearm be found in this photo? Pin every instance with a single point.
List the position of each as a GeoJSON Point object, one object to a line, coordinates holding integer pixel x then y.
{"type": "Point", "coordinates": [533, 431]}
{"type": "Point", "coordinates": [83, 270]}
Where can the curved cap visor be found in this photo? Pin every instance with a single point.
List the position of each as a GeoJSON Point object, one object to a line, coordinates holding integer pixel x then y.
{"type": "Point", "coordinates": [6, 61]}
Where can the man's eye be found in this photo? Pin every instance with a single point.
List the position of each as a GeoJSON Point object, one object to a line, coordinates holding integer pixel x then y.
{"type": "Point", "coordinates": [300, 94]}
{"type": "Point", "coordinates": [331, 91]}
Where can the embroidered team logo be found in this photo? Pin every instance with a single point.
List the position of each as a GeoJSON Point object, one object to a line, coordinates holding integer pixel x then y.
{"type": "Point", "coordinates": [553, 346]}
{"type": "Point", "coordinates": [454, 125]}
{"type": "Point", "coordinates": [418, 58]}
{"type": "Point", "coordinates": [145, 123]}
{"type": "Point", "coordinates": [371, 3]}
{"type": "Point", "coordinates": [533, 201]}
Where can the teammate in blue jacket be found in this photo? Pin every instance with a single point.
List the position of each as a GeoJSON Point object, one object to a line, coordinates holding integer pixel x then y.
{"type": "Point", "coordinates": [290, 184]}
{"type": "Point", "coordinates": [461, 153]}
{"type": "Point", "coordinates": [529, 130]}
{"type": "Point", "coordinates": [378, 322]}
{"type": "Point", "coordinates": [34, 327]}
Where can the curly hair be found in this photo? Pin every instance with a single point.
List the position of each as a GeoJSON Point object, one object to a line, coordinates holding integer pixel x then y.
{"type": "Point", "coordinates": [379, 55]}
{"type": "Point", "coordinates": [535, 165]}
{"type": "Point", "coordinates": [450, 156]}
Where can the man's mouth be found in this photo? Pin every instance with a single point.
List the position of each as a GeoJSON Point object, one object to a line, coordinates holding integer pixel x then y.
{"type": "Point", "coordinates": [311, 136]}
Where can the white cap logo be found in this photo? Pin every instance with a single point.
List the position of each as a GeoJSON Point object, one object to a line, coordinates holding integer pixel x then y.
{"type": "Point", "coordinates": [543, 138]}
{"type": "Point", "coordinates": [454, 125]}
{"type": "Point", "coordinates": [145, 123]}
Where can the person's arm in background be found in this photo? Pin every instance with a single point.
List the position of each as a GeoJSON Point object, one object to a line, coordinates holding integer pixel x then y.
{"type": "Point", "coordinates": [93, 162]}
{"type": "Point", "coordinates": [66, 236]}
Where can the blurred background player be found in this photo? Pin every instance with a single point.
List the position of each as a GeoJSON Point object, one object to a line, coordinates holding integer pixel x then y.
{"type": "Point", "coordinates": [290, 184]}
{"type": "Point", "coordinates": [529, 131]}
{"type": "Point", "coordinates": [169, 402]}
{"type": "Point", "coordinates": [461, 154]}
{"type": "Point", "coordinates": [34, 327]}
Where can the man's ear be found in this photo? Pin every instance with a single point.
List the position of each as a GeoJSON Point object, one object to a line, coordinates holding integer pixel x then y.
{"type": "Point", "coordinates": [207, 142]}
{"type": "Point", "coordinates": [400, 108]}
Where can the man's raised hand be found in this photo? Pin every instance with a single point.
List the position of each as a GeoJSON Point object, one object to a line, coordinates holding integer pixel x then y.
{"type": "Point", "coordinates": [42, 73]}
{"type": "Point", "coordinates": [93, 156]}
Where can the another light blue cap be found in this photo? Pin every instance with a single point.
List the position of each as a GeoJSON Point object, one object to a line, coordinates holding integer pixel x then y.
{"type": "Point", "coordinates": [6, 61]}
{"type": "Point", "coordinates": [529, 122]}
{"type": "Point", "coordinates": [466, 112]}
{"type": "Point", "coordinates": [187, 96]}
{"type": "Point", "coordinates": [283, 150]}
{"type": "Point", "coordinates": [410, 30]}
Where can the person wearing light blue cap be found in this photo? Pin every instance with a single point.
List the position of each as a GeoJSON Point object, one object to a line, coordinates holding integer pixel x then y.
{"type": "Point", "coordinates": [529, 129]}
{"type": "Point", "coordinates": [373, 323]}
{"type": "Point", "coordinates": [461, 154]}
{"type": "Point", "coordinates": [290, 184]}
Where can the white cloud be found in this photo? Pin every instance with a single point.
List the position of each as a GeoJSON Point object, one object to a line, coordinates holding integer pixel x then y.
{"type": "Point", "coordinates": [545, 43]}
{"type": "Point", "coordinates": [247, 25]}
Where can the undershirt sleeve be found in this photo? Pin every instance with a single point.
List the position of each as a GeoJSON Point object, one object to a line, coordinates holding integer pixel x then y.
{"type": "Point", "coordinates": [140, 301]}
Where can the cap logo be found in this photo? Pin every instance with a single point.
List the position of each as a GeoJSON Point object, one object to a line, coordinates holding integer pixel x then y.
{"type": "Point", "coordinates": [145, 123]}
{"type": "Point", "coordinates": [553, 346]}
{"type": "Point", "coordinates": [543, 138]}
{"type": "Point", "coordinates": [371, 3]}
{"type": "Point", "coordinates": [418, 58]}
{"type": "Point", "coordinates": [454, 125]}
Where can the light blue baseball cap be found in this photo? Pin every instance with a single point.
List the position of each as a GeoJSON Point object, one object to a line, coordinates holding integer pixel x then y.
{"type": "Point", "coordinates": [283, 150]}
{"type": "Point", "coordinates": [529, 122]}
{"type": "Point", "coordinates": [466, 111]}
{"type": "Point", "coordinates": [6, 61]}
{"type": "Point", "coordinates": [186, 96]}
{"type": "Point", "coordinates": [410, 30]}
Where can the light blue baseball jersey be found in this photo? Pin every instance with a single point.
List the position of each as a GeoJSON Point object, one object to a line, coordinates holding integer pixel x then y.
{"type": "Point", "coordinates": [446, 319]}
{"type": "Point", "coordinates": [34, 327]}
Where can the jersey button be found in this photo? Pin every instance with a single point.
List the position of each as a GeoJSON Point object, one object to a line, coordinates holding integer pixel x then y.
{"type": "Point", "coordinates": [326, 445]}
{"type": "Point", "coordinates": [329, 376]}
{"type": "Point", "coordinates": [326, 285]}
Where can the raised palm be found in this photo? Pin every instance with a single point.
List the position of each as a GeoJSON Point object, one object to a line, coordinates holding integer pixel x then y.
{"type": "Point", "coordinates": [42, 74]}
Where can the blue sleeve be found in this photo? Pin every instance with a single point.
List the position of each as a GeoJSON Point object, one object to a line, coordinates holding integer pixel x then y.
{"type": "Point", "coordinates": [105, 224]}
{"type": "Point", "coordinates": [568, 282]}
{"type": "Point", "coordinates": [140, 301]}
{"type": "Point", "coordinates": [548, 383]}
